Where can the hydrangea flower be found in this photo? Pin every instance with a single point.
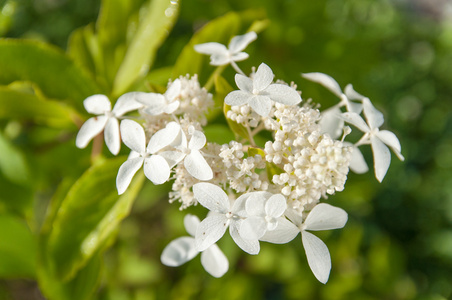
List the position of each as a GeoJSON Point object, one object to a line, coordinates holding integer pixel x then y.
{"type": "Point", "coordinates": [156, 167]}
{"type": "Point", "coordinates": [259, 92]}
{"type": "Point", "coordinates": [106, 119]}
{"type": "Point", "coordinates": [220, 55]}
{"type": "Point", "coordinates": [222, 215]}
{"type": "Point", "coordinates": [377, 138]}
{"type": "Point", "coordinates": [183, 249]}
{"type": "Point", "coordinates": [322, 217]}
{"type": "Point", "coordinates": [157, 104]}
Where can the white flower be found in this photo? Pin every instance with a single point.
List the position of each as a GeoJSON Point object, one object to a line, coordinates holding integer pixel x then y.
{"type": "Point", "coordinates": [183, 249]}
{"type": "Point", "coordinates": [322, 217]}
{"type": "Point", "coordinates": [220, 55]}
{"type": "Point", "coordinates": [157, 104]}
{"type": "Point", "coordinates": [222, 215]}
{"type": "Point", "coordinates": [156, 167]}
{"type": "Point", "coordinates": [377, 138]}
{"type": "Point", "coordinates": [263, 209]}
{"type": "Point", "coordinates": [106, 119]}
{"type": "Point", "coordinates": [259, 92]}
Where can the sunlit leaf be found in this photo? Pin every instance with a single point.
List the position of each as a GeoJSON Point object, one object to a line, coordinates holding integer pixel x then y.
{"type": "Point", "coordinates": [55, 73]}
{"type": "Point", "coordinates": [89, 214]}
{"type": "Point", "coordinates": [13, 164]}
{"type": "Point", "coordinates": [151, 33]}
{"type": "Point", "coordinates": [17, 249]}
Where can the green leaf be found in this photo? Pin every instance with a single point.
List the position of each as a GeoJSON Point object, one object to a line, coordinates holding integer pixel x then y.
{"type": "Point", "coordinates": [89, 214]}
{"type": "Point", "coordinates": [219, 30]}
{"type": "Point", "coordinates": [219, 133]}
{"type": "Point", "coordinates": [16, 104]}
{"type": "Point", "coordinates": [12, 162]}
{"type": "Point", "coordinates": [252, 151]}
{"type": "Point", "coordinates": [273, 169]}
{"type": "Point", "coordinates": [57, 76]}
{"type": "Point", "coordinates": [151, 33]}
{"type": "Point", "coordinates": [17, 249]}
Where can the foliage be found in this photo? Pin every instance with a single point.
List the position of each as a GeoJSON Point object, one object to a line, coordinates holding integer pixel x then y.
{"type": "Point", "coordinates": [397, 243]}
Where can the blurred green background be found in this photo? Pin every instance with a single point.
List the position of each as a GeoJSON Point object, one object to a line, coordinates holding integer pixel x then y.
{"type": "Point", "coordinates": [398, 240]}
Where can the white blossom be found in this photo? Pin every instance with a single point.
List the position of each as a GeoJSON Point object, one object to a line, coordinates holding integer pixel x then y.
{"type": "Point", "coordinates": [183, 249]}
{"type": "Point", "coordinates": [377, 138]}
{"type": "Point", "coordinates": [106, 119]}
{"type": "Point", "coordinates": [259, 92]}
{"type": "Point", "coordinates": [322, 217]}
{"type": "Point", "coordinates": [220, 55]}
{"type": "Point", "coordinates": [156, 166]}
{"type": "Point", "coordinates": [222, 215]}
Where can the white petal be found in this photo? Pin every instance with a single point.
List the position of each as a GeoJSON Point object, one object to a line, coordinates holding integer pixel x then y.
{"type": "Point", "coordinates": [171, 107]}
{"type": "Point", "coordinates": [261, 105]}
{"type": "Point", "coordinates": [253, 228]}
{"type": "Point", "coordinates": [390, 139]}
{"type": "Point", "coordinates": [382, 158]}
{"type": "Point", "coordinates": [285, 232]}
{"type": "Point", "coordinates": [294, 216]}
{"type": "Point", "coordinates": [133, 136]}
{"type": "Point", "coordinates": [211, 48]}
{"type": "Point", "coordinates": [255, 204]}
{"type": "Point", "coordinates": [326, 80]}
{"type": "Point", "coordinates": [156, 169]}
{"type": "Point", "coordinates": [238, 207]}
{"type": "Point", "coordinates": [373, 116]}
{"type": "Point", "coordinates": [220, 59]}
{"type": "Point", "coordinates": [239, 56]}
{"type": "Point", "coordinates": [191, 223]}
{"type": "Point", "coordinates": [331, 122]}
{"type": "Point", "coordinates": [173, 90]}
{"type": "Point", "coordinates": [150, 99]}
{"type": "Point", "coordinates": [352, 94]}
{"type": "Point", "coordinates": [210, 230]}
{"type": "Point", "coordinates": [355, 120]}
{"type": "Point", "coordinates": [127, 103]}
{"type": "Point", "coordinates": [237, 98]}
{"type": "Point", "coordinates": [318, 256]}
{"type": "Point", "coordinates": [126, 173]}
{"type": "Point", "coordinates": [325, 217]}
{"type": "Point", "coordinates": [283, 94]}
{"type": "Point", "coordinates": [357, 163]}
{"type": "Point", "coordinates": [111, 134]}
{"type": "Point", "coordinates": [172, 157]}
{"type": "Point", "coordinates": [250, 246]}
{"type": "Point", "coordinates": [164, 137]}
{"type": "Point", "coordinates": [133, 154]}
{"type": "Point", "coordinates": [179, 252]}
{"type": "Point", "coordinates": [354, 107]}
{"type": "Point", "coordinates": [89, 130]}
{"type": "Point", "coordinates": [197, 140]}
{"type": "Point", "coordinates": [197, 166]}
{"type": "Point", "coordinates": [262, 78]}
{"type": "Point", "coordinates": [211, 197]}
{"type": "Point", "coordinates": [214, 261]}
{"type": "Point", "coordinates": [275, 206]}
{"type": "Point", "coordinates": [97, 104]}
{"type": "Point", "coordinates": [240, 42]}
{"type": "Point", "coordinates": [244, 83]}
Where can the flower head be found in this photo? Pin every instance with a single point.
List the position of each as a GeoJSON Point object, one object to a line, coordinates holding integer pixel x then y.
{"type": "Point", "coordinates": [157, 104]}
{"type": "Point", "coordinates": [220, 55]}
{"type": "Point", "coordinates": [106, 119]}
{"type": "Point", "coordinates": [259, 92]}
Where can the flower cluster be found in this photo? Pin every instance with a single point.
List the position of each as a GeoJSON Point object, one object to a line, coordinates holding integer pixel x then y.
{"type": "Point", "coordinates": [267, 190]}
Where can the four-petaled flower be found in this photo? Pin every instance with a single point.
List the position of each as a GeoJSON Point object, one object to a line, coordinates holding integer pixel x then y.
{"type": "Point", "coordinates": [222, 215]}
{"type": "Point", "coordinates": [220, 55]}
{"type": "Point", "coordinates": [322, 217]}
{"type": "Point", "coordinates": [259, 92]}
{"type": "Point", "coordinates": [106, 119]}
{"type": "Point", "coordinates": [377, 138]}
{"type": "Point", "coordinates": [156, 167]}
{"type": "Point", "coordinates": [183, 249]}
